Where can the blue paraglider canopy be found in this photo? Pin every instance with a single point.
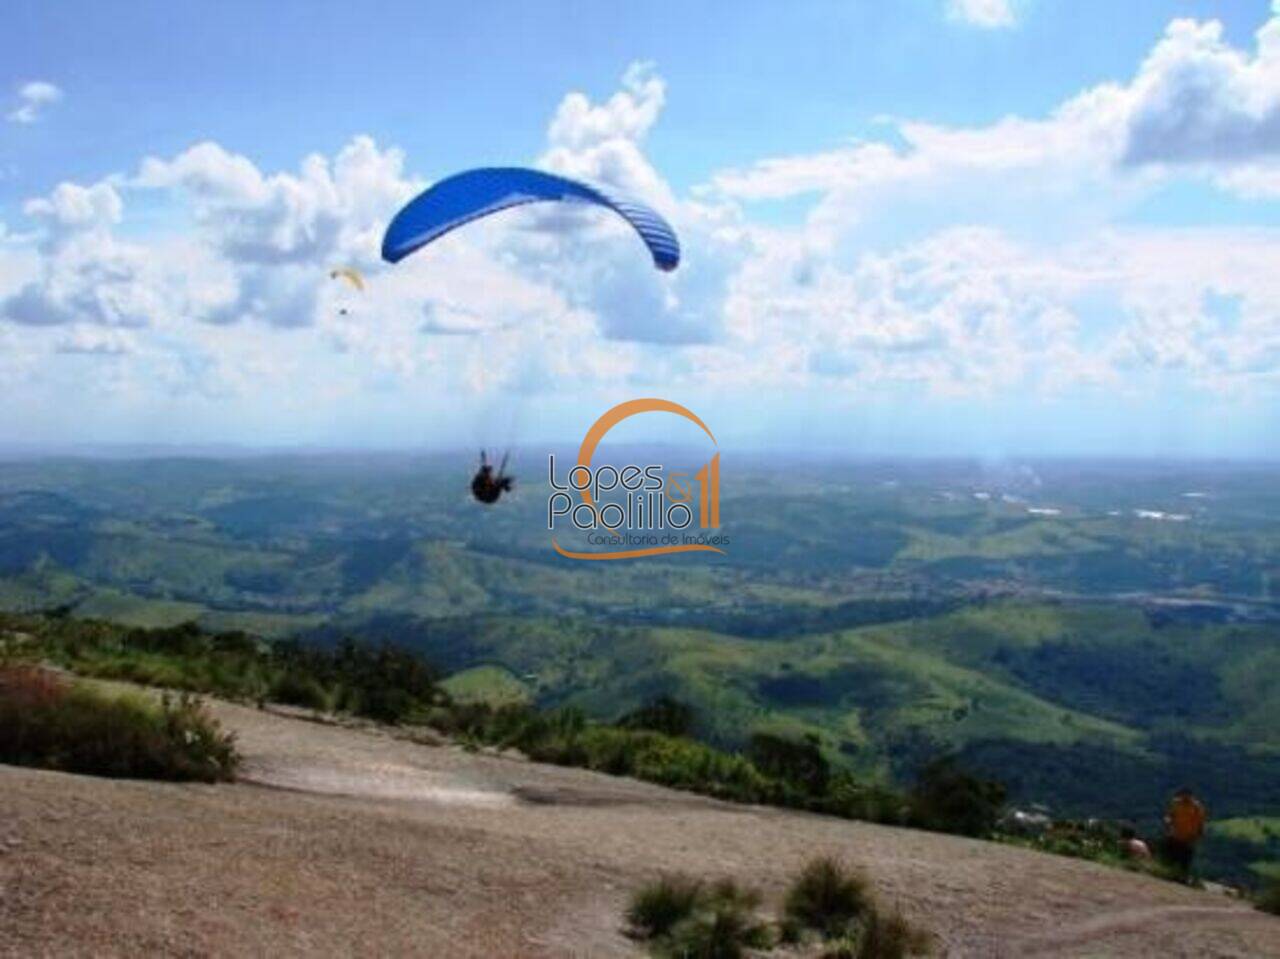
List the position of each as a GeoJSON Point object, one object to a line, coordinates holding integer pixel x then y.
{"type": "Point", "coordinates": [467, 196]}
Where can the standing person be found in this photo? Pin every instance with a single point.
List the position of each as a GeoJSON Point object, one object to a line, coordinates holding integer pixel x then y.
{"type": "Point", "coordinates": [1184, 820]}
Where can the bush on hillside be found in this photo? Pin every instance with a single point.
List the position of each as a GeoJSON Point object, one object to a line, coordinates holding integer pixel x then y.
{"type": "Point", "coordinates": [724, 926]}
{"type": "Point", "coordinates": [827, 898]}
{"type": "Point", "coordinates": [797, 762]}
{"type": "Point", "coordinates": [298, 689]}
{"type": "Point", "coordinates": [51, 723]}
{"type": "Point", "coordinates": [664, 715]}
{"type": "Point", "coordinates": [852, 798]}
{"type": "Point", "coordinates": [1269, 898]}
{"type": "Point", "coordinates": [382, 682]}
{"type": "Point", "coordinates": [889, 935]}
{"type": "Point", "coordinates": [681, 917]}
{"type": "Point", "coordinates": [947, 798]}
{"type": "Point", "coordinates": [656, 908]}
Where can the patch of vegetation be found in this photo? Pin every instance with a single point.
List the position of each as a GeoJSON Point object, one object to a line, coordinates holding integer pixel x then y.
{"type": "Point", "coordinates": [797, 762]}
{"type": "Point", "coordinates": [888, 935]}
{"type": "Point", "coordinates": [948, 798]}
{"type": "Point", "coordinates": [664, 714]}
{"type": "Point", "coordinates": [827, 898]}
{"type": "Point", "coordinates": [566, 738]}
{"type": "Point", "coordinates": [677, 916]}
{"type": "Point", "coordinates": [722, 926]}
{"type": "Point", "coordinates": [382, 682]}
{"type": "Point", "coordinates": [1269, 898]}
{"type": "Point", "coordinates": [685, 918]}
{"type": "Point", "coordinates": [49, 722]}
{"type": "Point", "coordinates": [655, 909]}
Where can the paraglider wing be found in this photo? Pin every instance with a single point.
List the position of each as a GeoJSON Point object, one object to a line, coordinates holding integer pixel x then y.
{"type": "Point", "coordinates": [352, 276]}
{"type": "Point", "coordinates": [467, 196]}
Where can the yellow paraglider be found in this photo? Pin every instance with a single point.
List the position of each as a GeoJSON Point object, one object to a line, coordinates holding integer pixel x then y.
{"type": "Point", "coordinates": [349, 274]}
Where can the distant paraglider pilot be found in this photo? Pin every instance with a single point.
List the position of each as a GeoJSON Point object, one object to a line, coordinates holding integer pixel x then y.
{"type": "Point", "coordinates": [487, 486]}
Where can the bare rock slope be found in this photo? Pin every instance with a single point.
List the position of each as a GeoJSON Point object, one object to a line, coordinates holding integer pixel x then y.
{"type": "Point", "coordinates": [350, 841]}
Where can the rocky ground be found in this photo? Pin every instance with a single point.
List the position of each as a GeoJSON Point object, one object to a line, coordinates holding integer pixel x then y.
{"type": "Point", "coordinates": [349, 841]}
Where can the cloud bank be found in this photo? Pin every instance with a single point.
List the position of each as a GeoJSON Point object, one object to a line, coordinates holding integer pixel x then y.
{"type": "Point", "coordinates": [1003, 262]}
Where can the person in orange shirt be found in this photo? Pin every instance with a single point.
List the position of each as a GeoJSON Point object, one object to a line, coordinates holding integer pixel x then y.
{"type": "Point", "coordinates": [1184, 820]}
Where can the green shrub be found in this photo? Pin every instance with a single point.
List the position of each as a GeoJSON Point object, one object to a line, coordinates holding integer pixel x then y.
{"type": "Point", "coordinates": [947, 798]}
{"type": "Point", "coordinates": [382, 682]}
{"type": "Point", "coordinates": [656, 908]}
{"type": "Point", "coordinates": [827, 898]}
{"type": "Point", "coordinates": [722, 925]}
{"type": "Point", "coordinates": [891, 936]}
{"type": "Point", "coordinates": [851, 798]}
{"type": "Point", "coordinates": [682, 917]}
{"type": "Point", "coordinates": [799, 763]}
{"type": "Point", "coordinates": [299, 689]}
{"type": "Point", "coordinates": [48, 722]}
{"type": "Point", "coordinates": [664, 714]}
{"type": "Point", "coordinates": [1269, 898]}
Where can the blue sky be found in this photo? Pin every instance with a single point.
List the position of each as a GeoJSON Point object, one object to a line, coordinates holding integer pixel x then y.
{"type": "Point", "coordinates": [929, 226]}
{"type": "Point", "coordinates": [457, 84]}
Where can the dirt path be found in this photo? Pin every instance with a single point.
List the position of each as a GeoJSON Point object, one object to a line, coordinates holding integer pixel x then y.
{"type": "Point", "coordinates": [353, 842]}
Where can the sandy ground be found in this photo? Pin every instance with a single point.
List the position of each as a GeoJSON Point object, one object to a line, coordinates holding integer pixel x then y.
{"type": "Point", "coordinates": [345, 842]}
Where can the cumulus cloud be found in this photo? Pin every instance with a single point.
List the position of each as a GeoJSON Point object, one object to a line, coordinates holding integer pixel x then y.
{"type": "Point", "coordinates": [72, 207]}
{"type": "Point", "coordinates": [34, 98]}
{"type": "Point", "coordinates": [326, 209]}
{"type": "Point", "coordinates": [1198, 99]}
{"type": "Point", "coordinates": [86, 274]}
{"type": "Point", "coordinates": [987, 14]}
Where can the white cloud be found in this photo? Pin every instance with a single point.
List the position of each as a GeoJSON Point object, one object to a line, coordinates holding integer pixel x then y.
{"type": "Point", "coordinates": [72, 207]}
{"type": "Point", "coordinates": [325, 210]}
{"type": "Point", "coordinates": [95, 341]}
{"type": "Point", "coordinates": [987, 14]}
{"type": "Point", "coordinates": [85, 274]}
{"type": "Point", "coordinates": [33, 98]}
{"type": "Point", "coordinates": [1196, 99]}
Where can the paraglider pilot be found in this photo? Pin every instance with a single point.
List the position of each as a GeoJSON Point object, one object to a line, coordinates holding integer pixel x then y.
{"type": "Point", "coordinates": [486, 486]}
